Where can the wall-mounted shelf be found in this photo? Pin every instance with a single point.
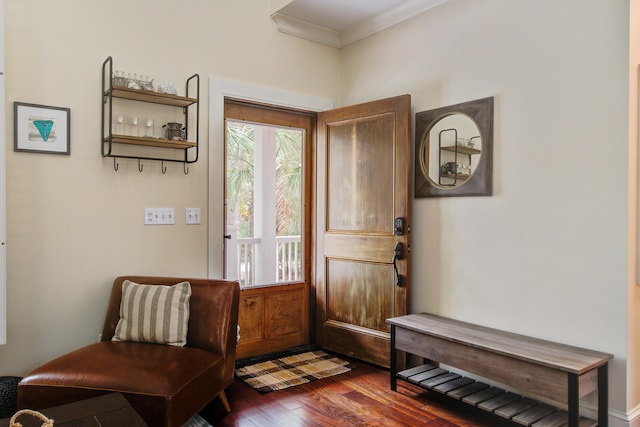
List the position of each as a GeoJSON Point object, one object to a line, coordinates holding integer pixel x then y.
{"type": "Point", "coordinates": [457, 176]}
{"type": "Point", "coordinates": [461, 149]}
{"type": "Point", "coordinates": [150, 142]}
{"type": "Point", "coordinates": [152, 97]}
{"type": "Point", "coordinates": [150, 148]}
{"type": "Point", "coordinates": [452, 173]}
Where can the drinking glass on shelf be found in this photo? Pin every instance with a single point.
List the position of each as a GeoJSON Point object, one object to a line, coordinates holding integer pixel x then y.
{"type": "Point", "coordinates": [148, 128]}
{"type": "Point", "coordinates": [132, 81]}
{"type": "Point", "coordinates": [119, 79]}
{"type": "Point", "coordinates": [118, 124]}
{"type": "Point", "coordinates": [133, 126]}
{"type": "Point", "coordinates": [146, 83]}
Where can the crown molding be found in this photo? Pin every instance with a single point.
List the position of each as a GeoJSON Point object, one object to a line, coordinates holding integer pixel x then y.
{"type": "Point", "coordinates": [361, 30]}
{"type": "Point", "coordinates": [305, 30]}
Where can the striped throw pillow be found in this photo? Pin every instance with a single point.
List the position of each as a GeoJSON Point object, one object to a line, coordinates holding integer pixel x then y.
{"type": "Point", "coordinates": [154, 313]}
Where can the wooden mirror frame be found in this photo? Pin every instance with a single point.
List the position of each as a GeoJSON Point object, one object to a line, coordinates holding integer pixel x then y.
{"type": "Point", "coordinates": [481, 182]}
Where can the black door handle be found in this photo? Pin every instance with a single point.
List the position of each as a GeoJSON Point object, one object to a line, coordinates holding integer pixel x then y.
{"type": "Point", "coordinates": [398, 254]}
{"type": "Point", "coordinates": [399, 251]}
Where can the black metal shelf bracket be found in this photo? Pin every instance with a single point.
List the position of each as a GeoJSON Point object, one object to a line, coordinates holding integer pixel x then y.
{"type": "Point", "coordinates": [455, 139]}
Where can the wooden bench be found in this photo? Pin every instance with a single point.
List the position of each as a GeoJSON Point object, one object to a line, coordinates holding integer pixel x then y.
{"type": "Point", "coordinates": [558, 372]}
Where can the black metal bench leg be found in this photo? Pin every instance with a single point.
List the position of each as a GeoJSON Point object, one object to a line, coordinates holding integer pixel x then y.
{"type": "Point", "coordinates": [603, 396]}
{"type": "Point", "coordinates": [573, 400]}
{"type": "Point", "coordinates": [394, 357]}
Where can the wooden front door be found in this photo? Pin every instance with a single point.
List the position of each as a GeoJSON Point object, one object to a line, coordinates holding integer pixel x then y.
{"type": "Point", "coordinates": [363, 185]}
{"type": "Point", "coordinates": [274, 269]}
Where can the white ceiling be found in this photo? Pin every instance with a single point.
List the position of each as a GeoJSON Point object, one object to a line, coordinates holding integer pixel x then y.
{"type": "Point", "coordinates": [339, 23]}
{"type": "Point", "coordinates": [336, 15]}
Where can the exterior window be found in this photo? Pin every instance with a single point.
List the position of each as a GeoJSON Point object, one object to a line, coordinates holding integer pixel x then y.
{"type": "Point", "coordinates": [264, 203]}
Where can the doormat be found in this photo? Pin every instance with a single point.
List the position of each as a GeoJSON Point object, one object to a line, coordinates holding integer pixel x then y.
{"type": "Point", "coordinates": [197, 421]}
{"type": "Point", "coordinates": [293, 370]}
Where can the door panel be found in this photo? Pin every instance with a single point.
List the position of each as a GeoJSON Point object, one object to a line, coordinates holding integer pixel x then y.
{"type": "Point", "coordinates": [272, 319]}
{"type": "Point", "coordinates": [355, 287]}
{"type": "Point", "coordinates": [363, 183]}
{"type": "Point", "coordinates": [358, 193]}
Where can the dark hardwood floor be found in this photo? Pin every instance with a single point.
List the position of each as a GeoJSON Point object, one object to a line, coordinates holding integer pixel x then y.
{"type": "Point", "coordinates": [361, 397]}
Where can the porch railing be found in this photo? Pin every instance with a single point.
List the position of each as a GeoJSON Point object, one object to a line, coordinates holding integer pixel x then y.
{"type": "Point", "coordinates": [242, 260]}
{"type": "Point", "coordinates": [288, 255]}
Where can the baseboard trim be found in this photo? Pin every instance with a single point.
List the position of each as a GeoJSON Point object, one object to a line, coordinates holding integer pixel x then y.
{"type": "Point", "coordinates": [632, 419]}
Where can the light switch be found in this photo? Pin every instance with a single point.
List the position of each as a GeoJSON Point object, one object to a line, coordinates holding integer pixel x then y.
{"type": "Point", "coordinates": [149, 216]}
{"type": "Point", "coordinates": [192, 215]}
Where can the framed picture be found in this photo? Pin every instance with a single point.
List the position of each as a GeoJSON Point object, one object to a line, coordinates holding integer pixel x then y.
{"type": "Point", "coordinates": [41, 128]}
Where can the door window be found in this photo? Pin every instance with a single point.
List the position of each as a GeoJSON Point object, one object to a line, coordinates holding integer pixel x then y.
{"type": "Point", "coordinates": [264, 203]}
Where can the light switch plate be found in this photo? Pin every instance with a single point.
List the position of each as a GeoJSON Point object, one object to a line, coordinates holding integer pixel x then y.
{"type": "Point", "coordinates": [159, 216]}
{"type": "Point", "coordinates": [192, 216]}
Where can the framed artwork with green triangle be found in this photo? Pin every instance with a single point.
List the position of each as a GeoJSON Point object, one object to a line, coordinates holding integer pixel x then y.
{"type": "Point", "coordinates": [41, 128]}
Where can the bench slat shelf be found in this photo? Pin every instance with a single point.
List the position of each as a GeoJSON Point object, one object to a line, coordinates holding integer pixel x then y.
{"type": "Point", "coordinates": [560, 372]}
{"type": "Point", "coordinates": [498, 401]}
{"type": "Point", "coordinates": [519, 409]}
{"type": "Point", "coordinates": [512, 409]}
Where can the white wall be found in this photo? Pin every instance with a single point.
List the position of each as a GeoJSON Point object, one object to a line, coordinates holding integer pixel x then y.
{"type": "Point", "coordinates": [546, 255]}
{"type": "Point", "coordinates": [74, 223]}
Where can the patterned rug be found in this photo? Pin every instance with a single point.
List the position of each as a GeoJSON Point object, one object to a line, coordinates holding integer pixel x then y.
{"type": "Point", "coordinates": [293, 370]}
{"type": "Point", "coordinates": [197, 421]}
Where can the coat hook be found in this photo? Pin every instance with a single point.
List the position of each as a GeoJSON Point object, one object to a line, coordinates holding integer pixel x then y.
{"type": "Point", "coordinates": [164, 168]}
{"type": "Point", "coordinates": [115, 164]}
{"type": "Point", "coordinates": [186, 168]}
{"type": "Point", "coordinates": [140, 166]}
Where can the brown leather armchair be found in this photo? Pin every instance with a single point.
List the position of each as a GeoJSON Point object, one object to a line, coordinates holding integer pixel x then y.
{"type": "Point", "coordinates": [166, 385]}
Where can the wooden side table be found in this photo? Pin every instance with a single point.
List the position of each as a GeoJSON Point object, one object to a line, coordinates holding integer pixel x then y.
{"type": "Point", "coordinates": [109, 410]}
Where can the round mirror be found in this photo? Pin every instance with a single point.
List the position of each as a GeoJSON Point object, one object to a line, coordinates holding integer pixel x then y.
{"type": "Point", "coordinates": [451, 151]}
{"type": "Point", "coordinates": [454, 150]}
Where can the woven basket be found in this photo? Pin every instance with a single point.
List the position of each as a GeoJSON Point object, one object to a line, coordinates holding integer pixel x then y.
{"type": "Point", "coordinates": [46, 422]}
